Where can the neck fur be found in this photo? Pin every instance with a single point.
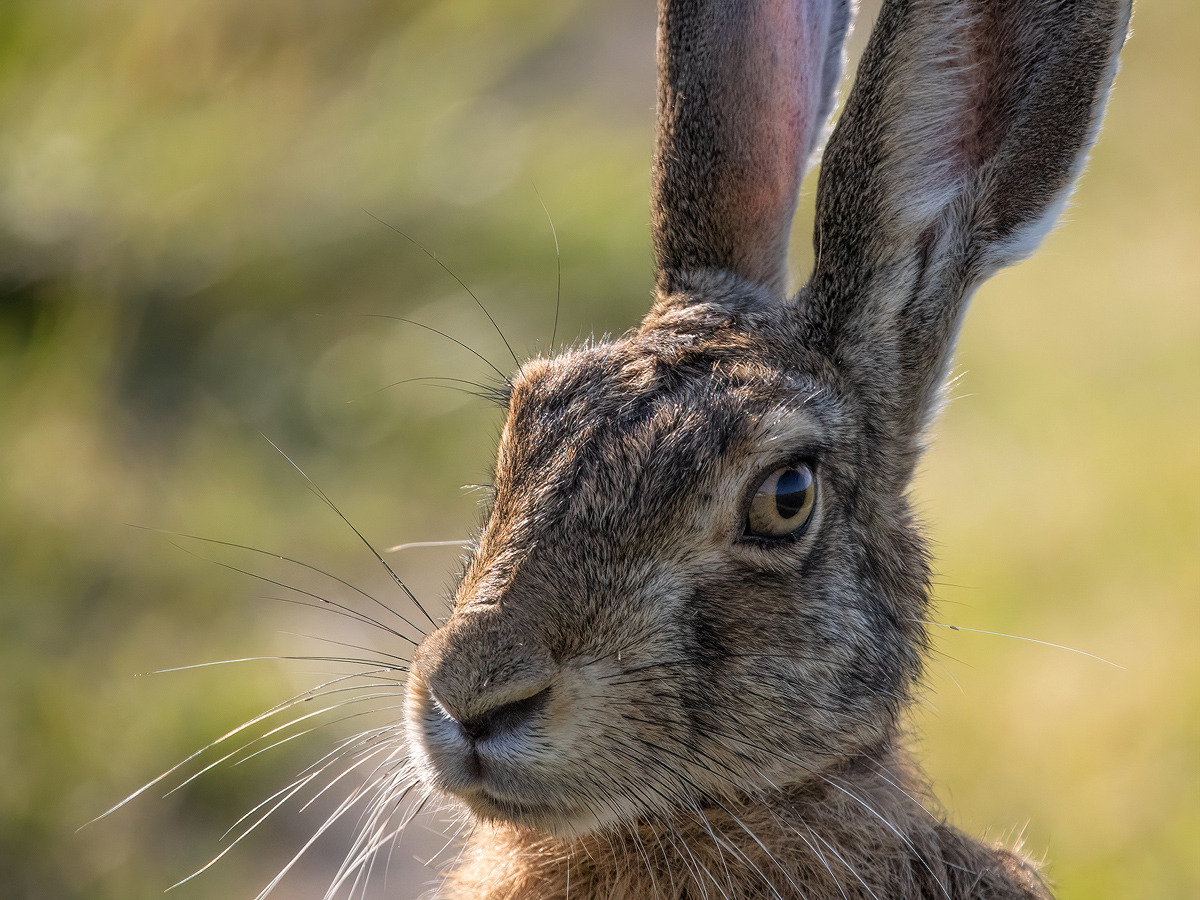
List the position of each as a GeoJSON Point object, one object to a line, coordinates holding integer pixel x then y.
{"type": "Point", "coordinates": [859, 831]}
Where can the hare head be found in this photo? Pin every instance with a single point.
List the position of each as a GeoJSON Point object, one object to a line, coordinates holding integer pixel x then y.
{"type": "Point", "coordinates": [699, 581]}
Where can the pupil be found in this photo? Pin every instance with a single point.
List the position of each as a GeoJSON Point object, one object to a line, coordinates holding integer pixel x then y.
{"type": "Point", "coordinates": [790, 492]}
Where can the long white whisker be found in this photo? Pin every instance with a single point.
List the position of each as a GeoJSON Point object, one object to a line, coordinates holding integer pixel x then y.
{"type": "Point", "coordinates": [412, 545]}
{"type": "Point", "coordinates": [1019, 637]}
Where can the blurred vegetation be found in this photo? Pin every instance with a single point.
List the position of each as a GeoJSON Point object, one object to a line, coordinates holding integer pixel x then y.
{"type": "Point", "coordinates": [200, 207]}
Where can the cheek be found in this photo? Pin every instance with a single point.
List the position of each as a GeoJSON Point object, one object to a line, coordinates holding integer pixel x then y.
{"type": "Point", "coordinates": [623, 618]}
{"type": "Point", "coordinates": [714, 520]}
{"type": "Point", "coordinates": [585, 715]}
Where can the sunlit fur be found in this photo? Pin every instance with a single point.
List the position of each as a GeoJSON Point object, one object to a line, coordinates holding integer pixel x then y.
{"type": "Point", "coordinates": [681, 657]}
{"type": "Point", "coordinates": [634, 698]}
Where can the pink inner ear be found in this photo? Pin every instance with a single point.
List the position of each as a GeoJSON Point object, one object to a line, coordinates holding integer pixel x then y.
{"type": "Point", "coordinates": [789, 39]}
{"type": "Point", "coordinates": [812, 94]}
{"type": "Point", "coordinates": [785, 45]}
{"type": "Point", "coordinates": [743, 92]}
{"type": "Point", "coordinates": [957, 91]}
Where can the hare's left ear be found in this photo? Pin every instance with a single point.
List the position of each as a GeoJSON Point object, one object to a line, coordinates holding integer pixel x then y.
{"type": "Point", "coordinates": [967, 126]}
{"type": "Point", "coordinates": [744, 90]}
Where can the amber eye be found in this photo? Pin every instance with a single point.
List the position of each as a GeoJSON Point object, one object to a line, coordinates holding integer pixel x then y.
{"type": "Point", "coordinates": [783, 503]}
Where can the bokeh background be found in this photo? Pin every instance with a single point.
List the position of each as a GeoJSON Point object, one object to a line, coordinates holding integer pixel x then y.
{"type": "Point", "coordinates": [199, 204]}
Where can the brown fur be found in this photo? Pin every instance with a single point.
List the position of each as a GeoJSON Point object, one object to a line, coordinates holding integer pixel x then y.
{"type": "Point", "coordinates": [857, 835]}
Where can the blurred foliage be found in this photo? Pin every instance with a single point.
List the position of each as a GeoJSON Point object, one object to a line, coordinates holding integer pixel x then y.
{"type": "Point", "coordinates": [203, 210]}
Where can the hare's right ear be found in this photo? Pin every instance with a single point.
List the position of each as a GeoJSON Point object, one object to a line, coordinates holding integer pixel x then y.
{"type": "Point", "coordinates": [744, 90]}
{"type": "Point", "coordinates": [967, 125]}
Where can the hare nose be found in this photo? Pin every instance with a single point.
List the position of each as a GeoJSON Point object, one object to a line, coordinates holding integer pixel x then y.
{"type": "Point", "coordinates": [505, 718]}
{"type": "Point", "coordinates": [487, 677]}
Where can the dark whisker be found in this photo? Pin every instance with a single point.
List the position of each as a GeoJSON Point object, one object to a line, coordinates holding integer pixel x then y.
{"type": "Point", "coordinates": [448, 271]}
{"type": "Point", "coordinates": [331, 607]}
{"type": "Point", "coordinates": [494, 395]}
{"type": "Point", "coordinates": [378, 660]}
{"type": "Point", "coordinates": [487, 362]}
{"type": "Point", "coordinates": [322, 601]}
{"type": "Point", "coordinates": [557, 266]}
{"type": "Point", "coordinates": [325, 499]}
{"type": "Point", "coordinates": [350, 612]}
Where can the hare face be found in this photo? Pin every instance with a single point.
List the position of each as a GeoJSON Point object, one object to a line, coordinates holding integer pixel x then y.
{"type": "Point", "coordinates": [624, 640]}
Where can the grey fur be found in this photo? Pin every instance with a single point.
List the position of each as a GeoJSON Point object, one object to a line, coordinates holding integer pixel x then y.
{"type": "Point", "coordinates": [632, 691]}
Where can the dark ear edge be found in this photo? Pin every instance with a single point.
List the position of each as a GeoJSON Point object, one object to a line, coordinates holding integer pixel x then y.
{"type": "Point", "coordinates": [744, 90]}
{"type": "Point", "coordinates": [961, 140]}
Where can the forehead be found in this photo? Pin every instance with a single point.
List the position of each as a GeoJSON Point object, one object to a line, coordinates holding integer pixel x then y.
{"type": "Point", "coordinates": [661, 393]}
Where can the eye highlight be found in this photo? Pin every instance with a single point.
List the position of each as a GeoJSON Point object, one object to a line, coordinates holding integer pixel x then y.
{"type": "Point", "coordinates": [783, 502]}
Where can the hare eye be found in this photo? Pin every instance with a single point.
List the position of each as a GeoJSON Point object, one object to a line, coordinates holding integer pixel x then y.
{"type": "Point", "coordinates": [783, 503]}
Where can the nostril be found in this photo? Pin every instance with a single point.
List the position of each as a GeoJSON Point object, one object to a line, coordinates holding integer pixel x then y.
{"type": "Point", "coordinates": [504, 718]}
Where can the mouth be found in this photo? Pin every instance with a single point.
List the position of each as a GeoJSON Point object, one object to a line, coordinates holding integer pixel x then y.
{"type": "Point", "coordinates": [505, 778]}
{"type": "Point", "coordinates": [475, 765]}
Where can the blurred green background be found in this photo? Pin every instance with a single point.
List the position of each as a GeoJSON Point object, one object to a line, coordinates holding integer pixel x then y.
{"type": "Point", "coordinates": [192, 258]}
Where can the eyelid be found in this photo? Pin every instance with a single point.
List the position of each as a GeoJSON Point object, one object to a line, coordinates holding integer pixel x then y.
{"type": "Point", "coordinates": [803, 456]}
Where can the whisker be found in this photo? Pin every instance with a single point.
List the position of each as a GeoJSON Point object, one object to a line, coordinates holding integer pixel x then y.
{"type": "Point", "coordinates": [412, 545]}
{"type": "Point", "coordinates": [265, 736]}
{"type": "Point", "coordinates": [558, 268]}
{"type": "Point", "coordinates": [250, 723]}
{"type": "Point", "coordinates": [369, 842]}
{"type": "Point", "coordinates": [1018, 637]}
{"type": "Point", "coordinates": [297, 786]}
{"type": "Point", "coordinates": [325, 499]}
{"type": "Point", "coordinates": [433, 256]}
{"type": "Point", "coordinates": [287, 559]}
{"type": "Point", "coordinates": [380, 655]}
{"type": "Point", "coordinates": [453, 340]}
{"type": "Point", "coordinates": [321, 602]}
{"type": "Point", "coordinates": [341, 810]}
{"type": "Point", "coordinates": [493, 395]}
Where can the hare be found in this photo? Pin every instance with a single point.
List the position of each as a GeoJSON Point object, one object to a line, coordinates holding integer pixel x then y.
{"type": "Point", "coordinates": [682, 644]}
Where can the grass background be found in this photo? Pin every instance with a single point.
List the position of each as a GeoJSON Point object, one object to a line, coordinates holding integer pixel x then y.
{"type": "Point", "coordinates": [191, 257]}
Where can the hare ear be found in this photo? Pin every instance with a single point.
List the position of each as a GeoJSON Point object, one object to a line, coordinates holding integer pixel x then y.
{"type": "Point", "coordinates": [744, 90]}
{"type": "Point", "coordinates": [966, 128]}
